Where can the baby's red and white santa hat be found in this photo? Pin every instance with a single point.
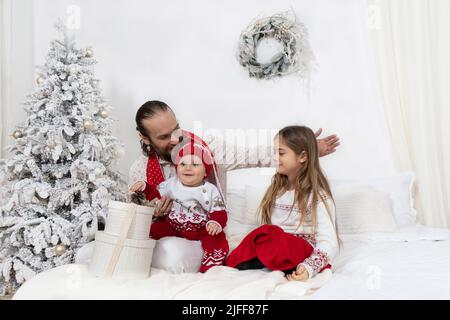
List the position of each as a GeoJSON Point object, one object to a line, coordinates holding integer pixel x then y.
{"type": "Point", "coordinates": [192, 148]}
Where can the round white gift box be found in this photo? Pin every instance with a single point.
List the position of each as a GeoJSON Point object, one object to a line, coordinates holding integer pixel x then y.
{"type": "Point", "coordinates": [134, 261]}
{"type": "Point", "coordinates": [140, 227]}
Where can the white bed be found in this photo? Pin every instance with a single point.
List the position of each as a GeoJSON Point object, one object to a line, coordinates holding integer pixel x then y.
{"type": "Point", "coordinates": [405, 265]}
{"type": "Point", "coordinates": [379, 259]}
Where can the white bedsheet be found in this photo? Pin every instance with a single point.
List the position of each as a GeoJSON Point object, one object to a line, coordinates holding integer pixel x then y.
{"type": "Point", "coordinates": [390, 270]}
{"type": "Point", "coordinates": [412, 264]}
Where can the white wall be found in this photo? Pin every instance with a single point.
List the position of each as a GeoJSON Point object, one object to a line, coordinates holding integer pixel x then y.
{"type": "Point", "coordinates": [183, 52]}
{"type": "Point", "coordinates": [17, 60]}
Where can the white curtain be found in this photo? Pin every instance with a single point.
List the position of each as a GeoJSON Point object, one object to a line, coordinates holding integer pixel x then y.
{"type": "Point", "coordinates": [2, 56]}
{"type": "Point", "coordinates": [412, 41]}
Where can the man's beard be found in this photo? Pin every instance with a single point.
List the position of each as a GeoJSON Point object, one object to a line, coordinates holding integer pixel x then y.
{"type": "Point", "coordinates": [166, 155]}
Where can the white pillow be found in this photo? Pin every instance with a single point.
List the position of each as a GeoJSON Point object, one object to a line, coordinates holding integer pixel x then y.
{"type": "Point", "coordinates": [363, 210]}
{"type": "Point", "coordinates": [237, 182]}
{"type": "Point", "coordinates": [400, 189]}
{"type": "Point", "coordinates": [237, 179]}
{"type": "Point", "coordinates": [242, 204]}
{"type": "Point", "coordinates": [253, 198]}
{"type": "Point", "coordinates": [236, 204]}
{"type": "Point", "coordinates": [236, 231]}
{"type": "Point", "coordinates": [358, 209]}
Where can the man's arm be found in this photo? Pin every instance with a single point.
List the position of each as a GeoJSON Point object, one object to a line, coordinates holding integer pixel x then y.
{"type": "Point", "coordinates": [231, 157]}
{"type": "Point", "coordinates": [328, 144]}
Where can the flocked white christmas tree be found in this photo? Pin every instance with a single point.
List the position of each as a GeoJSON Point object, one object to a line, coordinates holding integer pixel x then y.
{"type": "Point", "coordinates": [56, 185]}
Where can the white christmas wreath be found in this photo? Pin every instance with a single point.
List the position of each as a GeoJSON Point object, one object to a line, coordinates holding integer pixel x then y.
{"type": "Point", "coordinates": [295, 56]}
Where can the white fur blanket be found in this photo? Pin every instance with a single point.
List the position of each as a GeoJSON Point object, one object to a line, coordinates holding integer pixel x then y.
{"type": "Point", "coordinates": [74, 282]}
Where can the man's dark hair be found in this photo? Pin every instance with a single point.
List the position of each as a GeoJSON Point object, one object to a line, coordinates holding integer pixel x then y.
{"type": "Point", "coordinates": [146, 111]}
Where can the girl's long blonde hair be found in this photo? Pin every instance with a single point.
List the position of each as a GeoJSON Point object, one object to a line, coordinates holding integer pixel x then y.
{"type": "Point", "coordinates": [310, 187]}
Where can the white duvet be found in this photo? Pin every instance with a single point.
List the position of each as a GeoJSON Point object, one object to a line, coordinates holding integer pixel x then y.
{"type": "Point", "coordinates": [74, 282]}
{"type": "Point", "coordinates": [412, 264]}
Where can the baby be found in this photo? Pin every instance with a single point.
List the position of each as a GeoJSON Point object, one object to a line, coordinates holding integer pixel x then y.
{"type": "Point", "coordinates": [198, 211]}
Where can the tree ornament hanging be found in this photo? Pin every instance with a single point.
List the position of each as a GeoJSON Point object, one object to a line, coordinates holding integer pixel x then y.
{"type": "Point", "coordinates": [17, 134]}
{"type": "Point", "coordinates": [89, 53]}
{"type": "Point", "coordinates": [60, 249]}
{"type": "Point", "coordinates": [39, 79]}
{"type": "Point", "coordinates": [88, 124]}
{"type": "Point", "coordinates": [104, 114]}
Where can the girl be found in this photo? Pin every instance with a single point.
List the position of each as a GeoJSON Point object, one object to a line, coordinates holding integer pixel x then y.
{"type": "Point", "coordinates": [298, 235]}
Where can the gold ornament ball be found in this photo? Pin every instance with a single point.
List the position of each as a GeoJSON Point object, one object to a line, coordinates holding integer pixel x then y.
{"type": "Point", "coordinates": [89, 53]}
{"type": "Point", "coordinates": [88, 124]}
{"type": "Point", "coordinates": [104, 114]}
{"type": "Point", "coordinates": [39, 80]}
{"type": "Point", "coordinates": [17, 134]}
{"type": "Point", "coordinates": [60, 249]}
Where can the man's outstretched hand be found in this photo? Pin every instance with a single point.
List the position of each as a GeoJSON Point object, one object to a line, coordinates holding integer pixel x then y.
{"type": "Point", "coordinates": [328, 144]}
